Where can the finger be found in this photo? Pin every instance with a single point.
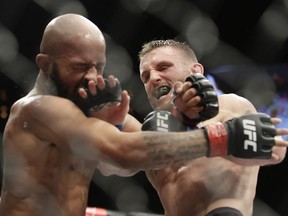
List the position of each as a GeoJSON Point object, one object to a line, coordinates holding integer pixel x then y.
{"type": "Point", "coordinates": [282, 131]}
{"type": "Point", "coordinates": [276, 121]}
{"type": "Point", "coordinates": [189, 94]}
{"type": "Point", "coordinates": [194, 102]}
{"type": "Point", "coordinates": [183, 106]}
{"type": "Point", "coordinates": [274, 157]}
{"type": "Point", "coordinates": [281, 143]}
{"type": "Point", "coordinates": [92, 87]}
{"type": "Point", "coordinates": [112, 81]}
{"type": "Point", "coordinates": [100, 82]}
{"type": "Point", "coordinates": [178, 88]}
{"type": "Point", "coordinates": [192, 113]}
{"type": "Point", "coordinates": [188, 97]}
{"type": "Point", "coordinates": [178, 102]}
{"type": "Point", "coordinates": [193, 110]}
{"type": "Point", "coordinates": [186, 86]}
{"type": "Point", "coordinates": [125, 99]}
{"type": "Point", "coordinates": [82, 93]}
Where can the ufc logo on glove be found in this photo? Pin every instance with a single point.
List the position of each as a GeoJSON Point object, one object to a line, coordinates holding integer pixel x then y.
{"type": "Point", "coordinates": [162, 121]}
{"type": "Point", "coordinates": [250, 130]}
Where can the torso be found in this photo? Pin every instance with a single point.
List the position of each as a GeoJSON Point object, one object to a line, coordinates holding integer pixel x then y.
{"type": "Point", "coordinates": [40, 179]}
{"type": "Point", "coordinates": [207, 183]}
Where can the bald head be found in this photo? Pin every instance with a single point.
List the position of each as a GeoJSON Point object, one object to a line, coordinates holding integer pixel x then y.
{"type": "Point", "coordinates": [66, 31]}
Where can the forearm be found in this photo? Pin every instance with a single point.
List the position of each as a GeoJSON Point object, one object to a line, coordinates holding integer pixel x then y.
{"type": "Point", "coordinates": [136, 150]}
{"type": "Point", "coordinates": [177, 148]}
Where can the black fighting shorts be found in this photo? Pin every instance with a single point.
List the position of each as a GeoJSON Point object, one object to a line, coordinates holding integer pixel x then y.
{"type": "Point", "coordinates": [224, 211]}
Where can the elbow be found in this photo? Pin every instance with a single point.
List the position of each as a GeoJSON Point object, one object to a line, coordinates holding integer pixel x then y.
{"type": "Point", "coordinates": [116, 161]}
{"type": "Point", "coordinates": [124, 157]}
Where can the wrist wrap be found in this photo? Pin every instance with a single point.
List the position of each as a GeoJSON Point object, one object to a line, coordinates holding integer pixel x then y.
{"type": "Point", "coordinates": [218, 140]}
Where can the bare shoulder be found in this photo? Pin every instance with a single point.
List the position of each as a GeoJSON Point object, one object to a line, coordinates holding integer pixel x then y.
{"type": "Point", "coordinates": [45, 108]}
{"type": "Point", "coordinates": [44, 116]}
{"type": "Point", "coordinates": [44, 103]}
{"type": "Point", "coordinates": [236, 103]}
{"type": "Point", "coordinates": [232, 105]}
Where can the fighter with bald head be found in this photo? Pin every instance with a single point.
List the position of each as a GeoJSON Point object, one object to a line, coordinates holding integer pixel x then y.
{"type": "Point", "coordinates": [51, 146]}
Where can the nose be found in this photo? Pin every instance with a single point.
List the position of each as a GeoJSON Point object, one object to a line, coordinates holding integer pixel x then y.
{"type": "Point", "coordinates": [91, 74]}
{"type": "Point", "coordinates": [154, 76]}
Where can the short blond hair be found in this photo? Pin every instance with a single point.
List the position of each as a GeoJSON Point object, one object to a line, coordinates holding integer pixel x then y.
{"type": "Point", "coordinates": [149, 46]}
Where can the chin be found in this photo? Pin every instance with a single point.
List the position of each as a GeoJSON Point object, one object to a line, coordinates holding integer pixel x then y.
{"type": "Point", "coordinates": [163, 103]}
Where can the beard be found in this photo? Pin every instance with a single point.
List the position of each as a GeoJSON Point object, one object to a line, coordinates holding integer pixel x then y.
{"type": "Point", "coordinates": [60, 88]}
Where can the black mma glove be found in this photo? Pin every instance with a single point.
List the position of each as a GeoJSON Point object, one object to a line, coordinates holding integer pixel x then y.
{"type": "Point", "coordinates": [249, 136]}
{"type": "Point", "coordinates": [162, 121]}
{"type": "Point", "coordinates": [209, 100]}
{"type": "Point", "coordinates": [104, 96]}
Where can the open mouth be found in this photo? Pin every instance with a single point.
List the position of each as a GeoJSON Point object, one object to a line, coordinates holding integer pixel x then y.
{"type": "Point", "coordinates": [163, 90]}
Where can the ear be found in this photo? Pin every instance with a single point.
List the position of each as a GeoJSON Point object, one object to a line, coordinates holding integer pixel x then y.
{"type": "Point", "coordinates": [42, 60]}
{"type": "Point", "coordinates": [197, 68]}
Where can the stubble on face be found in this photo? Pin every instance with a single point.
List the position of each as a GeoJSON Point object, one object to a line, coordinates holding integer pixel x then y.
{"type": "Point", "coordinates": [156, 104]}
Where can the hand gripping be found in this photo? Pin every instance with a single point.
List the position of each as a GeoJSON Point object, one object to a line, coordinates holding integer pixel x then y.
{"type": "Point", "coordinates": [104, 96]}
{"type": "Point", "coordinates": [209, 99]}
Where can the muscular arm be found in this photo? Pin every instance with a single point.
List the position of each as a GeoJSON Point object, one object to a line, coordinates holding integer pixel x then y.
{"type": "Point", "coordinates": [93, 139]}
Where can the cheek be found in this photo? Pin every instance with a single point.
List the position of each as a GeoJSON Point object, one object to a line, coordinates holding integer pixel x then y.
{"type": "Point", "coordinates": [73, 76]}
{"type": "Point", "coordinates": [68, 80]}
{"type": "Point", "coordinates": [179, 76]}
{"type": "Point", "coordinates": [148, 89]}
{"type": "Point", "coordinates": [72, 83]}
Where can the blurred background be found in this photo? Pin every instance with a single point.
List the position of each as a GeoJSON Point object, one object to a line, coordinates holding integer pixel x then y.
{"type": "Point", "coordinates": [241, 43]}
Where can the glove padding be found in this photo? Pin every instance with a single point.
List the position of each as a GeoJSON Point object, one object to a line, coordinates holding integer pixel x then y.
{"type": "Point", "coordinates": [249, 136]}
{"type": "Point", "coordinates": [162, 121]}
{"type": "Point", "coordinates": [104, 96]}
{"type": "Point", "coordinates": [209, 100]}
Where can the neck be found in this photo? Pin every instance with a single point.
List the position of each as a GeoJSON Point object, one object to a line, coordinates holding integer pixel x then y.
{"type": "Point", "coordinates": [44, 85]}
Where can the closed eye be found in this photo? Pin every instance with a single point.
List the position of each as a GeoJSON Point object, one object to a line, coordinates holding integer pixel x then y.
{"type": "Point", "coordinates": [163, 67]}
{"type": "Point", "coordinates": [145, 77]}
{"type": "Point", "coordinates": [81, 66]}
{"type": "Point", "coordinates": [85, 67]}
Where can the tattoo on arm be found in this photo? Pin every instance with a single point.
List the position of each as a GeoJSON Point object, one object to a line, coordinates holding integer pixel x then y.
{"type": "Point", "coordinates": [172, 149]}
